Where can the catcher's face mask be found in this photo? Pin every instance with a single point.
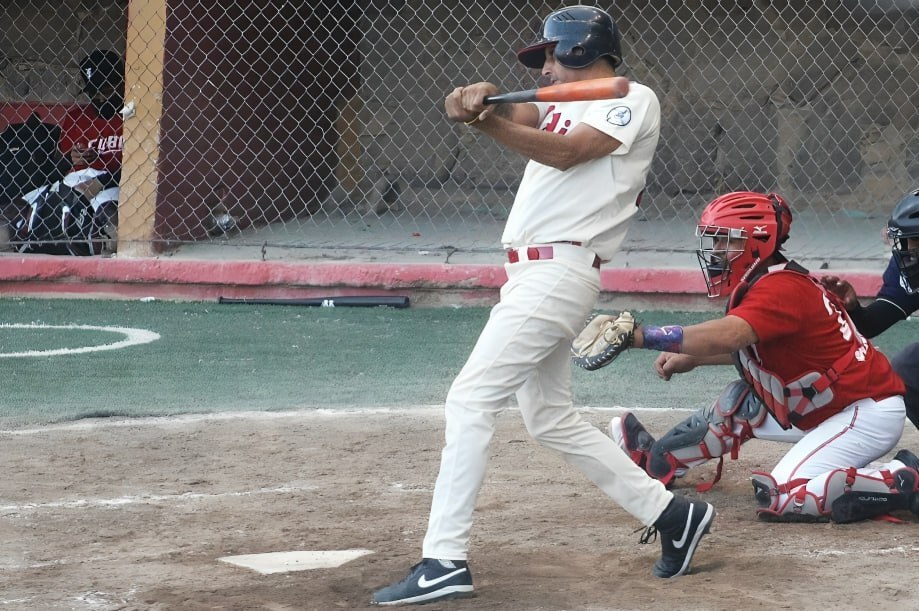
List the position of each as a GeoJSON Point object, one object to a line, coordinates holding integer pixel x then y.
{"type": "Point", "coordinates": [721, 256]}
{"type": "Point", "coordinates": [906, 253]}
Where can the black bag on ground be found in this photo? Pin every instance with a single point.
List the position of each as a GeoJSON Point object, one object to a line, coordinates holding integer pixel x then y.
{"type": "Point", "coordinates": [61, 221]}
{"type": "Point", "coordinates": [29, 157]}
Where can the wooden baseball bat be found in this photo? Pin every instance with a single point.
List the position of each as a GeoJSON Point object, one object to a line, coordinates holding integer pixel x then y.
{"type": "Point", "coordinates": [578, 91]}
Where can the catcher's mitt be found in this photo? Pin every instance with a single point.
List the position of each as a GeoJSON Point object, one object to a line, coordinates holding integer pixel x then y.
{"type": "Point", "coordinates": [603, 339]}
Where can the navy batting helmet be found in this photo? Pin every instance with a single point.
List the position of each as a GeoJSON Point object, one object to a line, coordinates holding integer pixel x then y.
{"type": "Point", "coordinates": [902, 226]}
{"type": "Point", "coordinates": [582, 35]}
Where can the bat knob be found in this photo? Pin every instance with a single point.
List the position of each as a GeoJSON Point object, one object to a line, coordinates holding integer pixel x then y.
{"type": "Point", "coordinates": [620, 87]}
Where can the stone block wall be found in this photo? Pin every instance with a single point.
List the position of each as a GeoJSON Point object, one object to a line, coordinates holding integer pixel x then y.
{"type": "Point", "coordinates": [817, 99]}
{"type": "Point", "coordinates": [42, 42]}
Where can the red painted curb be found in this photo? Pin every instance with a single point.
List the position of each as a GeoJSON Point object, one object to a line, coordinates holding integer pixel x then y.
{"type": "Point", "coordinates": [197, 279]}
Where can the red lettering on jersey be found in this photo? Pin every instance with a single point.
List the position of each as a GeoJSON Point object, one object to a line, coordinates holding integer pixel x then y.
{"type": "Point", "coordinates": [553, 119]}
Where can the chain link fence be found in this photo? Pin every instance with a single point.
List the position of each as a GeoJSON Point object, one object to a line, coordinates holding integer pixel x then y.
{"type": "Point", "coordinates": [289, 129]}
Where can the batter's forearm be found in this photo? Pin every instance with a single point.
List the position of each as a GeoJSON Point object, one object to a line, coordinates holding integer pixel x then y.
{"type": "Point", "coordinates": [540, 146]}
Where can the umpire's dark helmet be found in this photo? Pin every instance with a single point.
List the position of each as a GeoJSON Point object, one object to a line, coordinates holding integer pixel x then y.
{"type": "Point", "coordinates": [582, 35]}
{"type": "Point", "coordinates": [902, 225]}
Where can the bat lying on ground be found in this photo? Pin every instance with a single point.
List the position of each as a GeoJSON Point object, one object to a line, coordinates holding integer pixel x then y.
{"type": "Point", "coordinates": [578, 91]}
{"type": "Point", "coordinates": [358, 301]}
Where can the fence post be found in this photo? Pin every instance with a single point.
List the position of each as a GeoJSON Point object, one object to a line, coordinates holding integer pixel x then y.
{"type": "Point", "coordinates": [144, 90]}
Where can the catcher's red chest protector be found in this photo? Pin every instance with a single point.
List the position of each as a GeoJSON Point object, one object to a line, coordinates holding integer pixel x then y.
{"type": "Point", "coordinates": [791, 401]}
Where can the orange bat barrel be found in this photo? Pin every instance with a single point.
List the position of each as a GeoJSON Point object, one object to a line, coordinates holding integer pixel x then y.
{"type": "Point", "coordinates": [578, 91]}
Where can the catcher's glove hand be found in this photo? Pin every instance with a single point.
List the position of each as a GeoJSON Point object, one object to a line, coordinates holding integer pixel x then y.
{"type": "Point", "coordinates": [603, 339]}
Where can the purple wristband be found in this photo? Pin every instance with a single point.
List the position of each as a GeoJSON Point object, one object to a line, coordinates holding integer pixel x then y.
{"type": "Point", "coordinates": [665, 339]}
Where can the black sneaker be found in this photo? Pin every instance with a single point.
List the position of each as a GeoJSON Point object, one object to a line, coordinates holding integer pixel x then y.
{"type": "Point", "coordinates": [681, 526]}
{"type": "Point", "coordinates": [427, 581]}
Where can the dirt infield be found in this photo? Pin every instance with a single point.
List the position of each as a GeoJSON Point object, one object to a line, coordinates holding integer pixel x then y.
{"type": "Point", "coordinates": [134, 514]}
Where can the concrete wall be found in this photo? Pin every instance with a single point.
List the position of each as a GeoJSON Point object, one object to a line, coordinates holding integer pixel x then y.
{"type": "Point", "coordinates": [814, 98]}
{"type": "Point", "coordinates": [42, 41]}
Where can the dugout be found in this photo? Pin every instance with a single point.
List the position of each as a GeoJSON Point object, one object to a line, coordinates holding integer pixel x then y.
{"type": "Point", "coordinates": [233, 104]}
{"type": "Point", "coordinates": [250, 96]}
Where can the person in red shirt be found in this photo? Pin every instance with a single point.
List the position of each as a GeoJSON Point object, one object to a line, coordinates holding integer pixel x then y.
{"type": "Point", "coordinates": [808, 378]}
{"type": "Point", "coordinates": [92, 135]}
{"type": "Point", "coordinates": [78, 214]}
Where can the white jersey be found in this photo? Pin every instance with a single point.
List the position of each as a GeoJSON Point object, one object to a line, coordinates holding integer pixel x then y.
{"type": "Point", "coordinates": [592, 202]}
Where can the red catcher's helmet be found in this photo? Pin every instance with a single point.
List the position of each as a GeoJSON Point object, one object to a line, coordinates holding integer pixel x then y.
{"type": "Point", "coordinates": [737, 232]}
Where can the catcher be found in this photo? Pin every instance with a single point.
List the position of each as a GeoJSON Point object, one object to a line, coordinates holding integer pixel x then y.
{"type": "Point", "coordinates": [809, 378]}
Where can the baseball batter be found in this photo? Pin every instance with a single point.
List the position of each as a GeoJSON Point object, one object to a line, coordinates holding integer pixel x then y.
{"type": "Point", "coordinates": [809, 378]}
{"type": "Point", "coordinates": [581, 187]}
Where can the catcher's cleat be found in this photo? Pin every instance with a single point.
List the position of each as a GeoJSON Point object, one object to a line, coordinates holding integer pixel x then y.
{"type": "Point", "coordinates": [681, 527]}
{"type": "Point", "coordinates": [907, 458]}
{"type": "Point", "coordinates": [427, 581]}
{"type": "Point", "coordinates": [856, 505]}
{"type": "Point", "coordinates": [912, 461]}
{"type": "Point", "coordinates": [631, 435]}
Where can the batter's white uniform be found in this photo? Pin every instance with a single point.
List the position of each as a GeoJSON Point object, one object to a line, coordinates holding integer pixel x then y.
{"type": "Point", "coordinates": [524, 349]}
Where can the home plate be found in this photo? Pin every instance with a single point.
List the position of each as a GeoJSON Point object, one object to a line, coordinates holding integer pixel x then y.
{"type": "Point", "coordinates": [285, 562]}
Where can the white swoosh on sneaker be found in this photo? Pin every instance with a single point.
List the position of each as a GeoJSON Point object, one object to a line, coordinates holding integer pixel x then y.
{"type": "Point", "coordinates": [682, 540]}
{"type": "Point", "coordinates": [424, 583]}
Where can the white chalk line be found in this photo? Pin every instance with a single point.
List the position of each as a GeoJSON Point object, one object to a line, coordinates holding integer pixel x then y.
{"type": "Point", "coordinates": [132, 337]}
{"type": "Point", "coordinates": [148, 498]}
{"type": "Point", "coordinates": [900, 549]}
{"type": "Point", "coordinates": [183, 419]}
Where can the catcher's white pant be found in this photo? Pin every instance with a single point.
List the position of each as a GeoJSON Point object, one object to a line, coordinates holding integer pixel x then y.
{"type": "Point", "coordinates": [863, 432]}
{"type": "Point", "coordinates": [524, 349]}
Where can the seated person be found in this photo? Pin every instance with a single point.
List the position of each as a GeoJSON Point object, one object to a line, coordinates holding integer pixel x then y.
{"type": "Point", "coordinates": [91, 143]}
{"type": "Point", "coordinates": [92, 136]}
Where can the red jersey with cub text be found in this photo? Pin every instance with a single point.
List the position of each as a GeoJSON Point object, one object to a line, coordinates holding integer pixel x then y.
{"type": "Point", "coordinates": [83, 127]}
{"type": "Point", "coordinates": [801, 329]}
